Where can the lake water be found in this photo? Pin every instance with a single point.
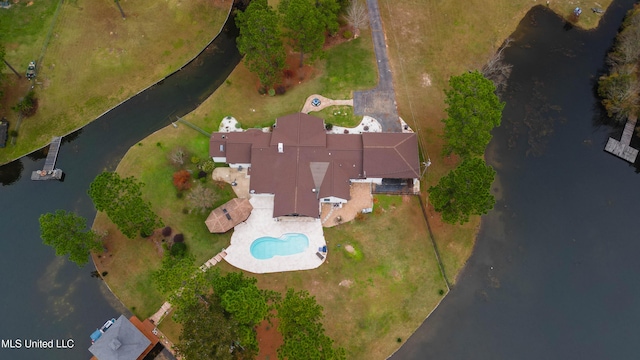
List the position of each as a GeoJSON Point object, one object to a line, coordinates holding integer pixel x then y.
{"type": "Point", "coordinates": [44, 297]}
{"type": "Point", "coordinates": [554, 274]}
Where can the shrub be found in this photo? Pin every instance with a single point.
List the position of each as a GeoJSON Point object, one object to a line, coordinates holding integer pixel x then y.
{"type": "Point", "coordinates": [207, 165]}
{"type": "Point", "coordinates": [178, 238]}
{"type": "Point", "coordinates": [281, 89]}
{"type": "Point", "coordinates": [177, 156]}
{"type": "Point", "coordinates": [178, 249]}
{"type": "Point", "coordinates": [181, 180]}
{"type": "Point", "coordinates": [145, 234]}
{"type": "Point", "coordinates": [347, 34]}
{"type": "Point", "coordinates": [202, 174]}
{"type": "Point", "coordinates": [272, 92]}
{"type": "Point", "coordinates": [28, 105]}
{"type": "Point", "coordinates": [166, 231]}
{"type": "Point", "coordinates": [288, 74]}
{"type": "Point", "coordinates": [195, 159]}
{"type": "Point", "coordinates": [262, 90]}
{"type": "Point", "coordinates": [328, 126]}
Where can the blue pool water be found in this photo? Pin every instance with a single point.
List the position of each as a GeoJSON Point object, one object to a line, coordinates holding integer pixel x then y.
{"type": "Point", "coordinates": [267, 247]}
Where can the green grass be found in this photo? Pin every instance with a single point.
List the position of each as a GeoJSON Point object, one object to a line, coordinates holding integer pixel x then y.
{"type": "Point", "coordinates": [340, 115]}
{"type": "Point", "coordinates": [95, 59]}
{"type": "Point", "coordinates": [133, 260]}
{"type": "Point", "coordinates": [348, 66]}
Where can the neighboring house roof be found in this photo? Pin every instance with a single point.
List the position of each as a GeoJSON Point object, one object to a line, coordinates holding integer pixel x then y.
{"type": "Point", "coordinates": [230, 214]}
{"type": "Point", "coordinates": [300, 163]}
{"type": "Point", "coordinates": [122, 341]}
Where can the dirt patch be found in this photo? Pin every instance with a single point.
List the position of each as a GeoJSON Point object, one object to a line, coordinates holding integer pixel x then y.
{"type": "Point", "coordinates": [269, 340]}
{"type": "Point", "coordinates": [346, 283]}
{"type": "Point", "coordinates": [339, 37]}
{"type": "Point", "coordinates": [350, 249]}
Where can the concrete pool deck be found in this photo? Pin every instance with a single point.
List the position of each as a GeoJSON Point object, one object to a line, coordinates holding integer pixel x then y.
{"type": "Point", "coordinates": [261, 223]}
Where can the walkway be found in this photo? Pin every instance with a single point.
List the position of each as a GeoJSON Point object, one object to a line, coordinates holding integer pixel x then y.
{"type": "Point", "coordinates": [324, 102]}
{"type": "Point", "coordinates": [380, 102]}
{"type": "Point", "coordinates": [621, 148]}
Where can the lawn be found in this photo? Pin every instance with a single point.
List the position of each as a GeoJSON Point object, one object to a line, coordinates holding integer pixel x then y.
{"type": "Point", "coordinates": [383, 291]}
{"type": "Point", "coordinates": [95, 59]}
{"type": "Point", "coordinates": [346, 67]}
{"type": "Point", "coordinates": [130, 262]}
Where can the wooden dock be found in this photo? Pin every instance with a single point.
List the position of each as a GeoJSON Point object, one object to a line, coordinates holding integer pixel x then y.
{"type": "Point", "coordinates": [622, 148]}
{"type": "Point", "coordinates": [49, 172]}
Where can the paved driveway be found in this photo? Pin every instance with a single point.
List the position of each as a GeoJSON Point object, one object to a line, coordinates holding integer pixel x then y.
{"type": "Point", "coordinates": [380, 102]}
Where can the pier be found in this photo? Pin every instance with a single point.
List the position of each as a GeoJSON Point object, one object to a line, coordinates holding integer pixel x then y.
{"type": "Point", "coordinates": [49, 172]}
{"type": "Point", "coordinates": [622, 148]}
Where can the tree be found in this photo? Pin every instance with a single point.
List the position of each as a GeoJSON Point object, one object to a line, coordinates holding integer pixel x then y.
{"type": "Point", "coordinates": [474, 110]}
{"type": "Point", "coordinates": [207, 334]}
{"type": "Point", "coordinates": [260, 42]}
{"type": "Point", "coordinates": [464, 191]}
{"type": "Point", "coordinates": [201, 198]}
{"type": "Point", "coordinates": [67, 233]}
{"type": "Point", "coordinates": [174, 272]}
{"type": "Point", "coordinates": [620, 94]}
{"type": "Point", "coordinates": [182, 180]}
{"type": "Point", "coordinates": [121, 199]}
{"type": "Point", "coordinates": [357, 15]}
{"type": "Point", "coordinates": [328, 11]}
{"type": "Point", "coordinates": [304, 26]}
{"type": "Point", "coordinates": [302, 331]}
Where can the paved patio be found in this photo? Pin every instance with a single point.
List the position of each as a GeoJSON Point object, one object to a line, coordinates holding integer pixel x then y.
{"type": "Point", "coordinates": [261, 223]}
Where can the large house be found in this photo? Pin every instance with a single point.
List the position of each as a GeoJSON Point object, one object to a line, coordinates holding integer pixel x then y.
{"type": "Point", "coordinates": [303, 166]}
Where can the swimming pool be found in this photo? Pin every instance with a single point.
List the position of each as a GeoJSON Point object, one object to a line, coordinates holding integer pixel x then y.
{"type": "Point", "coordinates": [267, 247]}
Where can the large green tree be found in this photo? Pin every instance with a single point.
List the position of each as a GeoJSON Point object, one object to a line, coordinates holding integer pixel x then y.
{"type": "Point", "coordinates": [474, 110]}
{"type": "Point", "coordinates": [464, 191]}
{"type": "Point", "coordinates": [67, 233]}
{"type": "Point", "coordinates": [121, 199]}
{"type": "Point", "coordinates": [207, 332]}
{"type": "Point", "coordinates": [260, 42]}
{"type": "Point", "coordinates": [174, 272]}
{"type": "Point", "coordinates": [302, 330]}
{"type": "Point", "coordinates": [304, 27]}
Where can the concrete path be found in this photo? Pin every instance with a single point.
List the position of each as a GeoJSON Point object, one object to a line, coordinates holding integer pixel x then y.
{"type": "Point", "coordinates": [324, 102]}
{"type": "Point", "coordinates": [380, 102]}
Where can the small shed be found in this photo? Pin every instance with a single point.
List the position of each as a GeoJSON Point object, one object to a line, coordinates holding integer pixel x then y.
{"type": "Point", "coordinates": [230, 214]}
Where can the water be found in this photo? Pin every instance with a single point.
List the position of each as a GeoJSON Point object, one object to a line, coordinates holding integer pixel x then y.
{"type": "Point", "coordinates": [554, 272]}
{"type": "Point", "coordinates": [45, 297]}
{"type": "Point", "coordinates": [267, 247]}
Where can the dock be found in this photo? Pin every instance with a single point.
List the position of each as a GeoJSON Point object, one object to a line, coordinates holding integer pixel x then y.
{"type": "Point", "coordinates": [49, 172]}
{"type": "Point", "coordinates": [622, 148]}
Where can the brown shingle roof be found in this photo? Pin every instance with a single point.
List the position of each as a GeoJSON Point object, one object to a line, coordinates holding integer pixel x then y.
{"type": "Point", "coordinates": [391, 155]}
{"type": "Point", "coordinates": [230, 214]}
{"type": "Point", "coordinates": [289, 174]}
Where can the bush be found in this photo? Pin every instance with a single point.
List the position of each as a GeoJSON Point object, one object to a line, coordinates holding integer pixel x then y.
{"type": "Point", "coordinates": [182, 180]}
{"type": "Point", "coordinates": [178, 249]}
{"type": "Point", "coordinates": [207, 165]}
{"type": "Point", "coordinates": [178, 238]}
{"type": "Point", "coordinates": [166, 231]}
{"type": "Point", "coordinates": [262, 90]}
{"type": "Point", "coordinates": [272, 92]}
{"type": "Point", "coordinates": [28, 105]}
{"type": "Point", "coordinates": [328, 126]}
{"type": "Point", "coordinates": [195, 159]}
{"type": "Point", "coordinates": [202, 174]}
{"type": "Point", "coordinates": [281, 89]}
{"type": "Point", "coordinates": [347, 34]}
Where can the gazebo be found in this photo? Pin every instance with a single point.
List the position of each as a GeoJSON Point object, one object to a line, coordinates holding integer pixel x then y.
{"type": "Point", "coordinates": [230, 214]}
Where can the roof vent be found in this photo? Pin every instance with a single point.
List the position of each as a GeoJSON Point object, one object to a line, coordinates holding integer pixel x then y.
{"type": "Point", "coordinates": [280, 148]}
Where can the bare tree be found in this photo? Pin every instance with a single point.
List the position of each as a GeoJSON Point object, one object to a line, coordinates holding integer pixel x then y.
{"type": "Point", "coordinates": [497, 70]}
{"type": "Point", "coordinates": [177, 156]}
{"type": "Point", "coordinates": [357, 15]}
{"type": "Point", "coordinates": [201, 198]}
